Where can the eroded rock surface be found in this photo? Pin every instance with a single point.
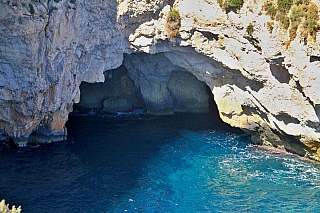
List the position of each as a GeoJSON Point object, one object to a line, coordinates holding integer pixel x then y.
{"type": "Point", "coordinates": [259, 84]}
{"type": "Point", "coordinates": [262, 83]}
{"type": "Point", "coordinates": [165, 87]}
{"type": "Point", "coordinates": [46, 52]}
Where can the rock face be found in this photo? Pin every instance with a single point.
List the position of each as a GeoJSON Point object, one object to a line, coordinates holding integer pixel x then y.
{"type": "Point", "coordinates": [262, 82]}
{"type": "Point", "coordinates": [47, 49]}
{"type": "Point", "coordinates": [165, 87]}
{"type": "Point", "coordinates": [158, 86]}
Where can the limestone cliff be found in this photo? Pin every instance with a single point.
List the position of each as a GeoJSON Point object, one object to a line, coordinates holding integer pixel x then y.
{"type": "Point", "coordinates": [264, 78]}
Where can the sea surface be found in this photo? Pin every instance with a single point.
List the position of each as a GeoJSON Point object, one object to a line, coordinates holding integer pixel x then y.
{"type": "Point", "coordinates": [142, 163]}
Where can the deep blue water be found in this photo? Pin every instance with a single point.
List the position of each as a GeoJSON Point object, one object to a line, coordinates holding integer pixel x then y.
{"type": "Point", "coordinates": [140, 163]}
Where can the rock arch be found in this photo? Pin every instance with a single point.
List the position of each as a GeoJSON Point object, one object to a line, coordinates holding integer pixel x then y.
{"type": "Point", "coordinates": [147, 81]}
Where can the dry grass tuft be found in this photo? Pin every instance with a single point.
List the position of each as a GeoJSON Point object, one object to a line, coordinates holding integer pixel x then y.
{"type": "Point", "coordinates": [173, 24]}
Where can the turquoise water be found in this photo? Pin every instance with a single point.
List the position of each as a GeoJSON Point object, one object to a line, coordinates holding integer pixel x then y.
{"type": "Point", "coordinates": [140, 163]}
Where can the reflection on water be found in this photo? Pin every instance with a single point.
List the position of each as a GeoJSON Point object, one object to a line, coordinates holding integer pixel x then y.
{"type": "Point", "coordinates": [140, 163]}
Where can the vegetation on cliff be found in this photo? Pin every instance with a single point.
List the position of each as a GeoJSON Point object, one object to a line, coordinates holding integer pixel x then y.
{"type": "Point", "coordinates": [31, 9]}
{"type": "Point", "coordinates": [249, 29]}
{"type": "Point", "coordinates": [296, 15]}
{"type": "Point", "coordinates": [291, 14]}
{"type": "Point", "coordinates": [230, 4]}
{"type": "Point", "coordinates": [173, 24]}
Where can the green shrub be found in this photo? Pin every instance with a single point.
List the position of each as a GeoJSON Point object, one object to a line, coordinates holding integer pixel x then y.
{"type": "Point", "coordinates": [234, 3]}
{"type": "Point", "coordinates": [31, 9]}
{"type": "Point", "coordinates": [249, 29]}
{"type": "Point", "coordinates": [173, 24]}
{"type": "Point", "coordinates": [271, 10]}
{"type": "Point", "coordinates": [297, 13]}
{"type": "Point", "coordinates": [173, 15]}
{"type": "Point", "coordinates": [312, 18]}
{"type": "Point", "coordinates": [284, 19]}
{"type": "Point", "coordinates": [291, 13]}
{"type": "Point", "coordinates": [284, 5]}
{"type": "Point", "coordinates": [229, 4]}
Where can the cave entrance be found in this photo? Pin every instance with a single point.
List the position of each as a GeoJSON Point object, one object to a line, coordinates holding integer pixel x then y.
{"type": "Point", "coordinates": [127, 90]}
{"type": "Point", "coordinates": [116, 93]}
{"type": "Point", "coordinates": [182, 93]}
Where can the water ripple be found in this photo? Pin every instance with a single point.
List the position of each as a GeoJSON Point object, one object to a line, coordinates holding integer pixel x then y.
{"type": "Point", "coordinates": [156, 164]}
